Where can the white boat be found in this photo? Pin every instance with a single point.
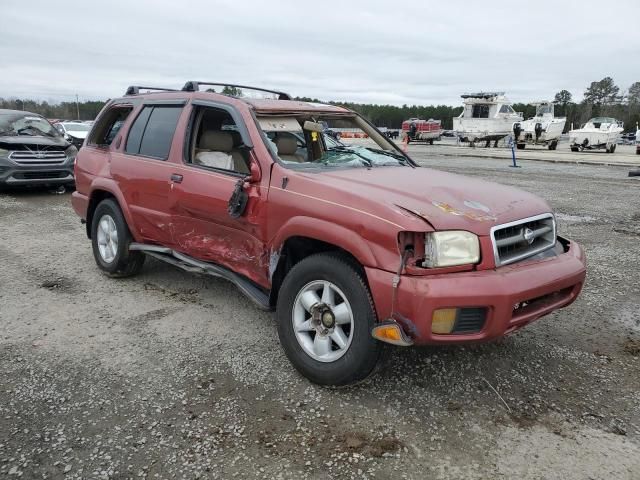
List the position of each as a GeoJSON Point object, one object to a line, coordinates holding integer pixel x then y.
{"type": "Point", "coordinates": [543, 129]}
{"type": "Point", "coordinates": [597, 133]}
{"type": "Point", "coordinates": [486, 116]}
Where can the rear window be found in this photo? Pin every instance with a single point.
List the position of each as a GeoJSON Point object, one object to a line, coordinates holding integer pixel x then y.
{"type": "Point", "coordinates": [152, 132]}
{"type": "Point", "coordinates": [108, 125]}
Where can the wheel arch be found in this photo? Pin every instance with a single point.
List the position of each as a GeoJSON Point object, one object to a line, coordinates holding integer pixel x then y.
{"type": "Point", "coordinates": [303, 237]}
{"type": "Point", "coordinates": [101, 191]}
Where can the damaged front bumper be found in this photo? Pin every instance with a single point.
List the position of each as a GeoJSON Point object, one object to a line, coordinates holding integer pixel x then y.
{"type": "Point", "coordinates": [490, 303]}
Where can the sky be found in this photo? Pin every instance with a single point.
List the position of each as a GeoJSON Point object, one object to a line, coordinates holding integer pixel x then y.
{"type": "Point", "coordinates": [386, 52]}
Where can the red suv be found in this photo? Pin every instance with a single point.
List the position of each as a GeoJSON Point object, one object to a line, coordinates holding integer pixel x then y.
{"type": "Point", "coordinates": [350, 241]}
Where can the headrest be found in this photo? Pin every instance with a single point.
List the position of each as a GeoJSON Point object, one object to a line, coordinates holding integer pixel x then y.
{"type": "Point", "coordinates": [287, 145]}
{"type": "Point", "coordinates": [216, 140]}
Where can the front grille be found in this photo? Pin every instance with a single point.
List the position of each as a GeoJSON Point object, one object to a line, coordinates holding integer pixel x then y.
{"type": "Point", "coordinates": [521, 239]}
{"type": "Point", "coordinates": [29, 157]}
{"type": "Point", "coordinates": [40, 175]}
{"type": "Point", "coordinates": [470, 320]}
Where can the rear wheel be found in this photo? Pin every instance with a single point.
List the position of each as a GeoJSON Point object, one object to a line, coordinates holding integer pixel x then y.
{"type": "Point", "coordinates": [325, 315]}
{"type": "Point", "coordinates": [575, 149]}
{"type": "Point", "coordinates": [521, 146]}
{"type": "Point", "coordinates": [110, 239]}
{"type": "Point", "coordinates": [553, 145]}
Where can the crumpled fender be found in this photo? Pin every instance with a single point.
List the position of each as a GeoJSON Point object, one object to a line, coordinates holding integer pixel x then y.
{"type": "Point", "coordinates": [327, 232]}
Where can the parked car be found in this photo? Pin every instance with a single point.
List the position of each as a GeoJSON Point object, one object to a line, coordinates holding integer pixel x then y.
{"type": "Point", "coordinates": [32, 152]}
{"type": "Point", "coordinates": [352, 244]}
{"type": "Point", "coordinates": [74, 131]}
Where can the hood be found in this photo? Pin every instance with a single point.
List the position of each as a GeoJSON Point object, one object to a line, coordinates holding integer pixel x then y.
{"type": "Point", "coordinates": [446, 201]}
{"type": "Point", "coordinates": [33, 141]}
{"type": "Point", "coordinates": [77, 134]}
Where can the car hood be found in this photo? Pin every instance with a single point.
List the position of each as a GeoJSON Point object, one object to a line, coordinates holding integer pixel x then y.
{"type": "Point", "coordinates": [77, 134]}
{"type": "Point", "coordinates": [446, 201]}
{"type": "Point", "coordinates": [29, 140]}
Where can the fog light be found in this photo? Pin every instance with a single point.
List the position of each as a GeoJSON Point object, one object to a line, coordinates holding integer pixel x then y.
{"type": "Point", "coordinates": [443, 320]}
{"type": "Point", "coordinates": [390, 332]}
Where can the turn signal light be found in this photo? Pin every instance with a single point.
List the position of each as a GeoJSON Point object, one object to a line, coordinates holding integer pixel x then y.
{"type": "Point", "coordinates": [390, 332]}
{"type": "Point", "coordinates": [443, 320]}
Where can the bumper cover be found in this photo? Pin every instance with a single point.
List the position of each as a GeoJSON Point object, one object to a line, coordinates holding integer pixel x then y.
{"type": "Point", "coordinates": [537, 288]}
{"type": "Point", "coordinates": [36, 174]}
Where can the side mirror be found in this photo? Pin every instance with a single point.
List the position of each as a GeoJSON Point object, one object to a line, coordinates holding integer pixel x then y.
{"type": "Point", "coordinates": [255, 174]}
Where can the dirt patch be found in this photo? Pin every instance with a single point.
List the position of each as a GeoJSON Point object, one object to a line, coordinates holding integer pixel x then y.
{"type": "Point", "coordinates": [363, 443]}
{"type": "Point", "coordinates": [632, 347]}
{"type": "Point", "coordinates": [59, 284]}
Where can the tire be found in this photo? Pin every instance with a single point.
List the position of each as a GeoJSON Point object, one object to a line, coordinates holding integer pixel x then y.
{"type": "Point", "coordinates": [553, 145]}
{"type": "Point", "coordinates": [113, 258]}
{"type": "Point", "coordinates": [613, 148]}
{"type": "Point", "coordinates": [328, 363]}
{"type": "Point", "coordinates": [575, 149]}
{"type": "Point", "coordinates": [521, 146]}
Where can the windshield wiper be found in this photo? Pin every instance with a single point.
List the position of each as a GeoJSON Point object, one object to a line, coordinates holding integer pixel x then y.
{"type": "Point", "coordinates": [401, 158]}
{"type": "Point", "coordinates": [344, 149]}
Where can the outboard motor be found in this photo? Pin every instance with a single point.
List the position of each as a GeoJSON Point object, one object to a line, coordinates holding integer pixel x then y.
{"type": "Point", "coordinates": [538, 130]}
{"type": "Point", "coordinates": [517, 130]}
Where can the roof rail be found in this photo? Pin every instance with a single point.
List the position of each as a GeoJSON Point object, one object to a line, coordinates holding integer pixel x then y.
{"type": "Point", "coordinates": [135, 89]}
{"type": "Point", "coordinates": [193, 86]}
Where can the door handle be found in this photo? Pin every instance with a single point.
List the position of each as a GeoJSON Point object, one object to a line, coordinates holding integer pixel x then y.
{"type": "Point", "coordinates": [176, 178]}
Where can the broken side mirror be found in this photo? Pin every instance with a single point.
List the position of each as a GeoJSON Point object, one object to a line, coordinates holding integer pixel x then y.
{"type": "Point", "coordinates": [240, 198]}
{"type": "Point", "coordinates": [255, 174]}
{"type": "Point", "coordinates": [238, 201]}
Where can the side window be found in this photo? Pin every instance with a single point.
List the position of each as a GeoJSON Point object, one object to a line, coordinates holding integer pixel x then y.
{"type": "Point", "coordinates": [108, 126]}
{"type": "Point", "coordinates": [216, 141]}
{"type": "Point", "coordinates": [480, 111]}
{"type": "Point", "coordinates": [152, 132]}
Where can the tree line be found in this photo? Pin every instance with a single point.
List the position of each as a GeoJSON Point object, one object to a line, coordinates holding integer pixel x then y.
{"type": "Point", "coordinates": [601, 98]}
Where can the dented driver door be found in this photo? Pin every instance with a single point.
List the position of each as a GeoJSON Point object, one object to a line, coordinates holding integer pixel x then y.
{"type": "Point", "coordinates": [201, 224]}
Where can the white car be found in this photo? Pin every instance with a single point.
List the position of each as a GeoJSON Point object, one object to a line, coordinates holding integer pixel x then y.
{"type": "Point", "coordinates": [73, 132]}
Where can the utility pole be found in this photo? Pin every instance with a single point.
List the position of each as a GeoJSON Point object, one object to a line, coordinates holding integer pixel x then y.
{"type": "Point", "coordinates": [77, 108]}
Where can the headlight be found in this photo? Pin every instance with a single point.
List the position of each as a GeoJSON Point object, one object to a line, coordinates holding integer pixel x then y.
{"type": "Point", "coordinates": [447, 249]}
{"type": "Point", "coordinates": [3, 152]}
{"type": "Point", "coordinates": [71, 152]}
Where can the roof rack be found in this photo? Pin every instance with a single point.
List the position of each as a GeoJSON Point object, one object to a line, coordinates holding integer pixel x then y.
{"type": "Point", "coordinates": [193, 86]}
{"type": "Point", "coordinates": [135, 89]}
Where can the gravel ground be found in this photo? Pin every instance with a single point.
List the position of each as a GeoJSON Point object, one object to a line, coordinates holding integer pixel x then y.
{"type": "Point", "coordinates": [171, 375]}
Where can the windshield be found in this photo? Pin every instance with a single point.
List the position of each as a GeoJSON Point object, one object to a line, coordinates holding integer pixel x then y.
{"type": "Point", "coordinates": [12, 124]}
{"type": "Point", "coordinates": [328, 141]}
{"type": "Point", "coordinates": [544, 108]}
{"type": "Point", "coordinates": [76, 127]}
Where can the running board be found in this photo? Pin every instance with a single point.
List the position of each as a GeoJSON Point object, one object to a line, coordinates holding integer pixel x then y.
{"type": "Point", "coordinates": [190, 264]}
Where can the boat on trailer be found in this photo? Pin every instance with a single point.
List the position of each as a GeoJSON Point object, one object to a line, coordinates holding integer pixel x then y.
{"type": "Point", "coordinates": [417, 130]}
{"type": "Point", "coordinates": [596, 134]}
{"type": "Point", "coordinates": [487, 116]}
{"type": "Point", "coordinates": [543, 129]}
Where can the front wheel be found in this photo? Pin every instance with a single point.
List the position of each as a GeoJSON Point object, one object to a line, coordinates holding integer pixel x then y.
{"type": "Point", "coordinates": [110, 239]}
{"type": "Point", "coordinates": [325, 315]}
